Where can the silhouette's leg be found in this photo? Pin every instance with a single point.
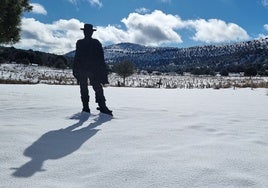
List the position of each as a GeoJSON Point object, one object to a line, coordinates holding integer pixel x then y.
{"type": "Point", "coordinates": [100, 99]}
{"type": "Point", "coordinates": [84, 93]}
{"type": "Point", "coordinates": [99, 94]}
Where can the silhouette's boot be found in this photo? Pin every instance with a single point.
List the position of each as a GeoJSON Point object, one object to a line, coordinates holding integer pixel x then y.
{"type": "Point", "coordinates": [104, 109]}
{"type": "Point", "coordinates": [85, 107]}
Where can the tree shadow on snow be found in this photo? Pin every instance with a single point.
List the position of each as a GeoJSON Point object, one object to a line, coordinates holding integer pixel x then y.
{"type": "Point", "coordinates": [59, 143]}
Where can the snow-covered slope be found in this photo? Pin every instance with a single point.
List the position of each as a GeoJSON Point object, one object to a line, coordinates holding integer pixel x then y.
{"type": "Point", "coordinates": [168, 59]}
{"type": "Point", "coordinates": [157, 138]}
{"type": "Point", "coordinates": [173, 59]}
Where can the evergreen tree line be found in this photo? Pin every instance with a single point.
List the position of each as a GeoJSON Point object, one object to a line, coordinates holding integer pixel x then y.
{"type": "Point", "coordinates": [11, 54]}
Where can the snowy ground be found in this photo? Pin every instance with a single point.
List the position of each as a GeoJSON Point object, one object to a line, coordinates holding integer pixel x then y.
{"type": "Point", "coordinates": [157, 138]}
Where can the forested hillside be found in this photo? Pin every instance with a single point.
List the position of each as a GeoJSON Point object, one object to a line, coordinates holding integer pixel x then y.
{"type": "Point", "coordinates": [19, 56]}
{"type": "Point", "coordinates": [250, 57]}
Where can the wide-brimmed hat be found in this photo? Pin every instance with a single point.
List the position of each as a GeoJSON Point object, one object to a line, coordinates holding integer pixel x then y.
{"type": "Point", "coordinates": [88, 27]}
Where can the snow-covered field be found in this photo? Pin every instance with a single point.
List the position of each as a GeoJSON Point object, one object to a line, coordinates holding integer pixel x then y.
{"type": "Point", "coordinates": [157, 138]}
{"type": "Point", "coordinates": [19, 73]}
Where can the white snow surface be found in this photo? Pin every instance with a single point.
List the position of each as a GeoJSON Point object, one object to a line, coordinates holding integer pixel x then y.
{"type": "Point", "coordinates": [157, 138]}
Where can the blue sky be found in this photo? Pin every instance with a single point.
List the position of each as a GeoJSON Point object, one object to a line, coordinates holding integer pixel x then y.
{"type": "Point", "coordinates": [53, 25]}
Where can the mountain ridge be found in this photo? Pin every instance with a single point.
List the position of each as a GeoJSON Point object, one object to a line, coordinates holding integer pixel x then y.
{"type": "Point", "coordinates": [215, 57]}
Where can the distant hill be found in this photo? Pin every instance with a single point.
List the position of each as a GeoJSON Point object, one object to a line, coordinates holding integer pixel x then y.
{"type": "Point", "coordinates": [250, 57]}
{"type": "Point", "coordinates": [231, 57]}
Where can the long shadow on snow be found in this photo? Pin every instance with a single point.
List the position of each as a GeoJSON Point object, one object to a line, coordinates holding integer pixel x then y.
{"type": "Point", "coordinates": [59, 143]}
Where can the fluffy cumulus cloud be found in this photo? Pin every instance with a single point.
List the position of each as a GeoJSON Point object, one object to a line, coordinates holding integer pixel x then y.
{"type": "Point", "coordinates": [151, 29]}
{"type": "Point", "coordinates": [58, 37]}
{"type": "Point", "coordinates": [155, 28]}
{"type": "Point", "coordinates": [158, 28]}
{"type": "Point", "coordinates": [145, 29]}
{"type": "Point", "coordinates": [38, 9]}
{"type": "Point", "coordinates": [217, 31]}
{"type": "Point", "coordinates": [111, 34]}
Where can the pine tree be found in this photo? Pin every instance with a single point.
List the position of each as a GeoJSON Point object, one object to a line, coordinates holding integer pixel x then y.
{"type": "Point", "coordinates": [10, 19]}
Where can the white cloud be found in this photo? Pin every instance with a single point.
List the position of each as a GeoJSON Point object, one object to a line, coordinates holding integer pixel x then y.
{"type": "Point", "coordinates": [152, 29]}
{"type": "Point", "coordinates": [38, 9]}
{"type": "Point", "coordinates": [59, 37]}
{"type": "Point", "coordinates": [217, 31]}
{"type": "Point", "coordinates": [111, 34]}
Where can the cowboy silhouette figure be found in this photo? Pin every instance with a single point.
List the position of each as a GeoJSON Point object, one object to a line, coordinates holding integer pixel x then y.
{"type": "Point", "coordinates": [89, 65]}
